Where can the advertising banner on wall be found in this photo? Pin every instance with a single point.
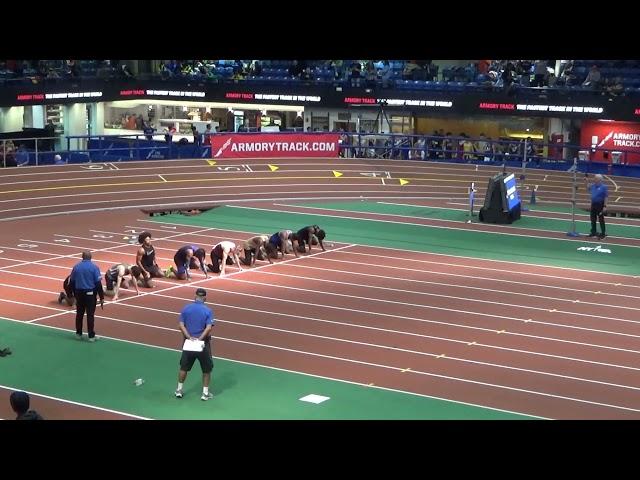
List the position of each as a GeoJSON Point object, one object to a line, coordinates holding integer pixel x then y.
{"type": "Point", "coordinates": [273, 145]}
{"type": "Point", "coordinates": [613, 136]}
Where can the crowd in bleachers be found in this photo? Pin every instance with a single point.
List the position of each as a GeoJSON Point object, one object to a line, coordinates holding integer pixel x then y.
{"type": "Point", "coordinates": [613, 77]}
{"type": "Point", "coordinates": [37, 71]}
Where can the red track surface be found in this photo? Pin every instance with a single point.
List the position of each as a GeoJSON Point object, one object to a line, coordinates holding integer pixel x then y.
{"type": "Point", "coordinates": [549, 342]}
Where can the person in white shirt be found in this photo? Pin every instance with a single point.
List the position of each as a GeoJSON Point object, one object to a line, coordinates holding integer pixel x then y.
{"type": "Point", "coordinates": [224, 252]}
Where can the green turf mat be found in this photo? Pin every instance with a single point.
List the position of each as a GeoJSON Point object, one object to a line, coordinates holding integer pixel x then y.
{"type": "Point", "coordinates": [401, 234]}
{"type": "Point", "coordinates": [52, 362]}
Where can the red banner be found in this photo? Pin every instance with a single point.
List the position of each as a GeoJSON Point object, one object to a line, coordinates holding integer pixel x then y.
{"type": "Point", "coordinates": [613, 136]}
{"type": "Point", "coordinates": [274, 145]}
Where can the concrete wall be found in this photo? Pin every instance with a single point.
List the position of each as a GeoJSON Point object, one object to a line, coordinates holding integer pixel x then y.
{"type": "Point", "coordinates": [11, 119]}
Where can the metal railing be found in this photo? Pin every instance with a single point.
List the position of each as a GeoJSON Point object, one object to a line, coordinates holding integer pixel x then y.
{"type": "Point", "coordinates": [523, 153]}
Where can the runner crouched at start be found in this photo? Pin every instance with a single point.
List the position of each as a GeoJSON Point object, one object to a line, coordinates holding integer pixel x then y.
{"type": "Point", "coordinates": [67, 295]}
{"type": "Point", "coordinates": [185, 258]}
{"type": "Point", "coordinates": [224, 253]}
{"type": "Point", "coordinates": [114, 279]}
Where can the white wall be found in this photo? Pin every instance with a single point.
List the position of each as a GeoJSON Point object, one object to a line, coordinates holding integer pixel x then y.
{"type": "Point", "coordinates": [97, 119]}
{"type": "Point", "coordinates": [75, 123]}
{"type": "Point", "coordinates": [11, 119]}
{"type": "Point", "coordinates": [37, 115]}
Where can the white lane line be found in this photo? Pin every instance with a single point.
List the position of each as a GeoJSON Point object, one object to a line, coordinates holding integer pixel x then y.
{"type": "Point", "coordinates": [163, 179]}
{"type": "Point", "coordinates": [446, 309]}
{"type": "Point", "coordinates": [464, 210]}
{"type": "Point", "coordinates": [297, 372]}
{"type": "Point", "coordinates": [429, 225]}
{"type": "Point", "coordinates": [79, 251]}
{"type": "Point", "coordinates": [431, 255]}
{"type": "Point", "coordinates": [71, 402]}
{"type": "Point", "coordinates": [373, 313]}
{"type": "Point", "coordinates": [544, 297]}
{"type": "Point", "coordinates": [457, 285]}
{"type": "Point", "coordinates": [400, 369]}
{"type": "Point", "coordinates": [354, 325]}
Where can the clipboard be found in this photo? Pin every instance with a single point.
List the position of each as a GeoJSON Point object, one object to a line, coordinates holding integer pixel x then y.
{"type": "Point", "coordinates": [193, 345]}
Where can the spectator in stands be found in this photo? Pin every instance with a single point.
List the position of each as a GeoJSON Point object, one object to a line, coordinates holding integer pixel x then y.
{"type": "Point", "coordinates": [295, 69]}
{"type": "Point", "coordinates": [148, 130]}
{"type": "Point", "coordinates": [72, 68]}
{"type": "Point", "coordinates": [371, 75]}
{"type": "Point", "coordinates": [22, 156]}
{"type": "Point", "coordinates": [139, 122]}
{"type": "Point", "coordinates": [407, 73]}
{"type": "Point", "coordinates": [244, 127]}
{"type": "Point", "coordinates": [508, 75]}
{"type": "Point", "coordinates": [531, 151]}
{"type": "Point", "coordinates": [256, 69]}
{"type": "Point", "coordinates": [207, 135]}
{"type": "Point", "coordinates": [468, 148]}
{"type": "Point", "coordinates": [338, 68]}
{"type": "Point", "coordinates": [50, 130]}
{"type": "Point", "coordinates": [434, 146]}
{"type": "Point", "coordinates": [481, 146]}
{"type": "Point", "coordinates": [197, 141]}
{"type": "Point", "coordinates": [168, 134]}
{"type": "Point", "coordinates": [447, 146]}
{"type": "Point", "coordinates": [20, 405]}
{"type": "Point", "coordinates": [567, 76]}
{"type": "Point", "coordinates": [355, 73]}
{"type": "Point", "coordinates": [386, 74]}
{"type": "Point", "coordinates": [593, 78]}
{"type": "Point", "coordinates": [540, 73]}
{"type": "Point", "coordinates": [552, 80]}
{"type": "Point", "coordinates": [306, 74]}
{"type": "Point", "coordinates": [613, 86]}
{"type": "Point", "coordinates": [483, 66]}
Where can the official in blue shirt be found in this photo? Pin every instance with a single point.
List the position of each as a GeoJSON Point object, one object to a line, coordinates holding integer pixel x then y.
{"type": "Point", "coordinates": [85, 277]}
{"type": "Point", "coordinates": [599, 193]}
{"type": "Point", "coordinates": [196, 321]}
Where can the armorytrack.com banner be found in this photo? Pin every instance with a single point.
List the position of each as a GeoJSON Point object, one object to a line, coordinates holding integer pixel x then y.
{"type": "Point", "coordinates": [274, 145]}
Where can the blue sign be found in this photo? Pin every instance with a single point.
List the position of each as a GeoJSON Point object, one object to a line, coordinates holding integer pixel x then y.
{"type": "Point", "coordinates": [511, 192]}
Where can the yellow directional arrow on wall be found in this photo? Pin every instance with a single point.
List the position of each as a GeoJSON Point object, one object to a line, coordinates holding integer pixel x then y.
{"type": "Point", "coordinates": [273, 167]}
{"type": "Point", "coordinates": [211, 162]}
{"type": "Point", "coordinates": [337, 174]}
{"type": "Point", "coordinates": [403, 181]}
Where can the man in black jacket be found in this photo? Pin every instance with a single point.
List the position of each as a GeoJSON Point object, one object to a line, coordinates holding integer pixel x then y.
{"type": "Point", "coordinates": [20, 404]}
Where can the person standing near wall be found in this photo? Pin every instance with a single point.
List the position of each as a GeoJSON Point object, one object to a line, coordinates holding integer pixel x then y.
{"type": "Point", "coordinates": [599, 194]}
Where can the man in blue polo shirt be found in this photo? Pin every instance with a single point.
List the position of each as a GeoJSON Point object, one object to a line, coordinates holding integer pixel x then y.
{"type": "Point", "coordinates": [85, 277]}
{"type": "Point", "coordinates": [599, 194]}
{"type": "Point", "coordinates": [196, 321]}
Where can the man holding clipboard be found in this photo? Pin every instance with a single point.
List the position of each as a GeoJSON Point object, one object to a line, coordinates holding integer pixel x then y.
{"type": "Point", "coordinates": [196, 321]}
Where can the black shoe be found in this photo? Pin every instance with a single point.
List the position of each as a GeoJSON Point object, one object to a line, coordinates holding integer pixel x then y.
{"type": "Point", "coordinates": [601, 236]}
{"type": "Point", "coordinates": [61, 297]}
{"type": "Point", "coordinates": [4, 352]}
